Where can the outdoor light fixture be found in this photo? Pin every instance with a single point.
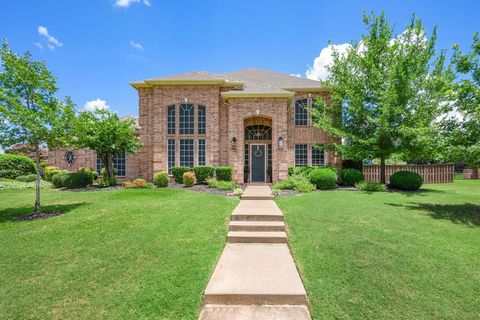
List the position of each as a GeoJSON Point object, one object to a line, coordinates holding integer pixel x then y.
{"type": "Point", "coordinates": [281, 143]}
{"type": "Point", "coordinates": [257, 112]}
{"type": "Point", "coordinates": [233, 142]}
{"type": "Point", "coordinates": [185, 100]}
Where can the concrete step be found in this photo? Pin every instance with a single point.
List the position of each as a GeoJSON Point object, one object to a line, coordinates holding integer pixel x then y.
{"type": "Point", "coordinates": [257, 193]}
{"type": "Point", "coordinates": [257, 210]}
{"type": "Point", "coordinates": [254, 312]}
{"type": "Point", "coordinates": [256, 237]}
{"type": "Point", "coordinates": [255, 274]}
{"type": "Point", "coordinates": [256, 226]}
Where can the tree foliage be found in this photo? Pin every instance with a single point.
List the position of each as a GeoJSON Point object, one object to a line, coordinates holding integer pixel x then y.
{"type": "Point", "coordinates": [386, 93]}
{"type": "Point", "coordinates": [30, 114]}
{"type": "Point", "coordinates": [108, 135]}
{"type": "Point", "coordinates": [461, 126]}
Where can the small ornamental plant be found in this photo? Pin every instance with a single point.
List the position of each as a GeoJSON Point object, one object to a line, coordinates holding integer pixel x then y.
{"type": "Point", "coordinates": [188, 179]}
{"type": "Point", "coordinates": [160, 179]}
{"type": "Point", "coordinates": [137, 184]}
{"type": "Point", "coordinates": [406, 180]}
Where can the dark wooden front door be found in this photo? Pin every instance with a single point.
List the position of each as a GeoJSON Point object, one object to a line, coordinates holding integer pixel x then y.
{"type": "Point", "coordinates": [257, 169]}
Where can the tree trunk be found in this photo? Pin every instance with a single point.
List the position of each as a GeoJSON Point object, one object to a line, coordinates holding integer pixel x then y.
{"type": "Point", "coordinates": [37, 183]}
{"type": "Point", "coordinates": [107, 163]}
{"type": "Point", "coordinates": [382, 169]}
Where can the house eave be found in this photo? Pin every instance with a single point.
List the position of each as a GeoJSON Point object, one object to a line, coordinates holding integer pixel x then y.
{"type": "Point", "coordinates": [240, 94]}
{"type": "Point", "coordinates": [186, 82]}
{"type": "Point", "coordinates": [306, 89]}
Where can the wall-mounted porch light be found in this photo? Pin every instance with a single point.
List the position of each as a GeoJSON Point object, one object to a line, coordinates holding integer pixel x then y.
{"type": "Point", "coordinates": [281, 143]}
{"type": "Point", "coordinates": [185, 100]}
{"type": "Point", "coordinates": [233, 142]}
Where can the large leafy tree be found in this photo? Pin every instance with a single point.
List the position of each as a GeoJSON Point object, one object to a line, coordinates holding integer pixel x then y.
{"type": "Point", "coordinates": [108, 135]}
{"type": "Point", "coordinates": [386, 93]}
{"type": "Point", "coordinates": [30, 113]}
{"type": "Point", "coordinates": [461, 127]}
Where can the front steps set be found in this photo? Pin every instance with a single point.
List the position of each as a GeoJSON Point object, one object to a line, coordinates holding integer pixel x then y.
{"type": "Point", "coordinates": [256, 277]}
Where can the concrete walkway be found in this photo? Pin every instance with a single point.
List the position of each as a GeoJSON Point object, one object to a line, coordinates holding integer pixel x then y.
{"type": "Point", "coordinates": [256, 277]}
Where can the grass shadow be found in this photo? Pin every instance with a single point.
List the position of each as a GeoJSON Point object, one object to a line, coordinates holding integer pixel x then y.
{"type": "Point", "coordinates": [8, 213]}
{"type": "Point", "coordinates": [466, 213]}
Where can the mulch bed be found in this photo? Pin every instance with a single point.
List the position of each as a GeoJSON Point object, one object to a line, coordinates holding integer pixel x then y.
{"type": "Point", "coordinates": [34, 216]}
{"type": "Point", "coordinates": [204, 188]}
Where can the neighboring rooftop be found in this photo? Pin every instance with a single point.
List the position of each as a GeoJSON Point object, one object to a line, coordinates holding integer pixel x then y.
{"type": "Point", "coordinates": [244, 82]}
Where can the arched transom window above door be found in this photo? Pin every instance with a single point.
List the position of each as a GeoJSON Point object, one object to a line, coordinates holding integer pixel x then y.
{"type": "Point", "coordinates": [258, 129]}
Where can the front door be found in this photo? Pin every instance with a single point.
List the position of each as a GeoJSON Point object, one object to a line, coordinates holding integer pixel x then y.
{"type": "Point", "coordinates": [257, 169]}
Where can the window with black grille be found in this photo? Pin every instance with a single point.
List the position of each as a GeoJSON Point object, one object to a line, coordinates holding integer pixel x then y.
{"type": "Point", "coordinates": [118, 164]}
{"type": "Point", "coordinates": [171, 120]}
{"type": "Point", "coordinates": [318, 156]}
{"type": "Point", "coordinates": [186, 119]}
{"type": "Point", "coordinates": [301, 155]}
{"type": "Point", "coordinates": [171, 154]}
{"type": "Point", "coordinates": [201, 120]}
{"type": "Point", "coordinates": [201, 152]}
{"type": "Point", "coordinates": [186, 153]}
{"type": "Point", "coordinates": [301, 112]}
{"type": "Point", "coordinates": [258, 132]}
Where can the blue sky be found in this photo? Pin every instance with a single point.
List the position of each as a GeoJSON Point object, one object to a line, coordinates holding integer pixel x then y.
{"type": "Point", "coordinates": [96, 47]}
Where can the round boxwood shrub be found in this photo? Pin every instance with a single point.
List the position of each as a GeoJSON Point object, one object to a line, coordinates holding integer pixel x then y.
{"type": "Point", "coordinates": [203, 173]}
{"type": "Point", "coordinates": [406, 180]}
{"type": "Point", "coordinates": [349, 177]}
{"type": "Point", "coordinates": [178, 173]}
{"type": "Point", "coordinates": [50, 171]}
{"type": "Point", "coordinates": [323, 178]}
{"type": "Point", "coordinates": [12, 166]}
{"type": "Point", "coordinates": [224, 173]}
{"type": "Point", "coordinates": [71, 180]}
{"type": "Point", "coordinates": [27, 178]}
{"type": "Point", "coordinates": [92, 174]}
{"type": "Point", "coordinates": [188, 179]}
{"type": "Point", "coordinates": [160, 179]}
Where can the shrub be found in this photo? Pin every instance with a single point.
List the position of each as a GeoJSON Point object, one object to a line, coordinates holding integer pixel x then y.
{"type": "Point", "coordinates": [71, 180]}
{"type": "Point", "coordinates": [323, 178]}
{"type": "Point", "coordinates": [238, 191]}
{"type": "Point", "coordinates": [202, 173]}
{"type": "Point", "coordinates": [50, 171]}
{"type": "Point", "coordinates": [27, 178]}
{"type": "Point", "coordinates": [226, 185]}
{"type": "Point", "coordinates": [291, 170]}
{"type": "Point", "coordinates": [12, 166]}
{"type": "Point", "coordinates": [9, 184]}
{"type": "Point", "coordinates": [298, 182]}
{"type": "Point", "coordinates": [370, 186]}
{"type": "Point", "coordinates": [224, 173]}
{"type": "Point", "coordinates": [349, 177]}
{"type": "Point", "coordinates": [89, 171]}
{"type": "Point", "coordinates": [178, 173]}
{"type": "Point", "coordinates": [160, 179]}
{"type": "Point", "coordinates": [406, 180]}
{"type": "Point", "coordinates": [108, 182]}
{"type": "Point", "coordinates": [303, 170]}
{"type": "Point", "coordinates": [352, 164]}
{"type": "Point", "coordinates": [212, 182]}
{"type": "Point", "coordinates": [189, 179]}
{"type": "Point", "coordinates": [137, 184]}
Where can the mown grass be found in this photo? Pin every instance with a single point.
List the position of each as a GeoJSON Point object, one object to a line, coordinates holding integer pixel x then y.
{"type": "Point", "coordinates": [389, 255]}
{"type": "Point", "coordinates": [124, 254]}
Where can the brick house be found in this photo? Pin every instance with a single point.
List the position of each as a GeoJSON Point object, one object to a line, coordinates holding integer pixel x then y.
{"type": "Point", "coordinates": [253, 120]}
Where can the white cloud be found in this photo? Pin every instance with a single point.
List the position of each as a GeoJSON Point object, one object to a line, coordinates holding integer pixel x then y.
{"type": "Point", "coordinates": [136, 45]}
{"type": "Point", "coordinates": [39, 45]}
{"type": "Point", "coordinates": [319, 71]}
{"type": "Point", "coordinates": [127, 3]}
{"type": "Point", "coordinates": [50, 40]}
{"type": "Point", "coordinates": [93, 105]}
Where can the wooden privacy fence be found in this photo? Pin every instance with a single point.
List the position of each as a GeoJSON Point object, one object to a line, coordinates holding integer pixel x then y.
{"type": "Point", "coordinates": [431, 173]}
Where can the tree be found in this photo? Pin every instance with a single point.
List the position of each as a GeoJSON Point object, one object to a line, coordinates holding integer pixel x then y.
{"type": "Point", "coordinates": [386, 93]}
{"type": "Point", "coordinates": [461, 127]}
{"type": "Point", "coordinates": [108, 135]}
{"type": "Point", "coordinates": [29, 112]}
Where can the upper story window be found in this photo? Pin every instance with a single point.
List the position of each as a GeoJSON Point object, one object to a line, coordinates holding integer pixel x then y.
{"type": "Point", "coordinates": [202, 120]}
{"type": "Point", "coordinates": [317, 104]}
{"type": "Point", "coordinates": [301, 112]}
{"type": "Point", "coordinates": [171, 120]}
{"type": "Point", "coordinates": [186, 119]}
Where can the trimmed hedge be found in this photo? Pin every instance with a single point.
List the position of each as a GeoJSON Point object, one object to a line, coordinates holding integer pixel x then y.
{"type": "Point", "coordinates": [92, 174]}
{"type": "Point", "coordinates": [224, 173]}
{"type": "Point", "coordinates": [12, 166]}
{"type": "Point", "coordinates": [178, 173]}
{"type": "Point", "coordinates": [203, 173]}
{"type": "Point", "coordinates": [370, 186]}
{"type": "Point", "coordinates": [50, 171]}
{"type": "Point", "coordinates": [189, 179]}
{"type": "Point", "coordinates": [406, 180]}
{"type": "Point", "coordinates": [27, 178]}
{"type": "Point", "coordinates": [323, 178]}
{"type": "Point", "coordinates": [160, 179]}
{"type": "Point", "coordinates": [71, 180]}
{"type": "Point", "coordinates": [349, 177]}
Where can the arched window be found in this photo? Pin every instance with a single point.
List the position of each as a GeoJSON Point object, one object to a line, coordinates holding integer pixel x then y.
{"type": "Point", "coordinates": [171, 120]}
{"type": "Point", "coordinates": [301, 112]}
{"type": "Point", "coordinates": [258, 132]}
{"type": "Point", "coordinates": [69, 158]}
{"type": "Point", "coordinates": [186, 118]}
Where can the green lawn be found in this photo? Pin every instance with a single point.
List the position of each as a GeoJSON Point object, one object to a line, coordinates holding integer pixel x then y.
{"type": "Point", "coordinates": [124, 254]}
{"type": "Point", "coordinates": [389, 255]}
